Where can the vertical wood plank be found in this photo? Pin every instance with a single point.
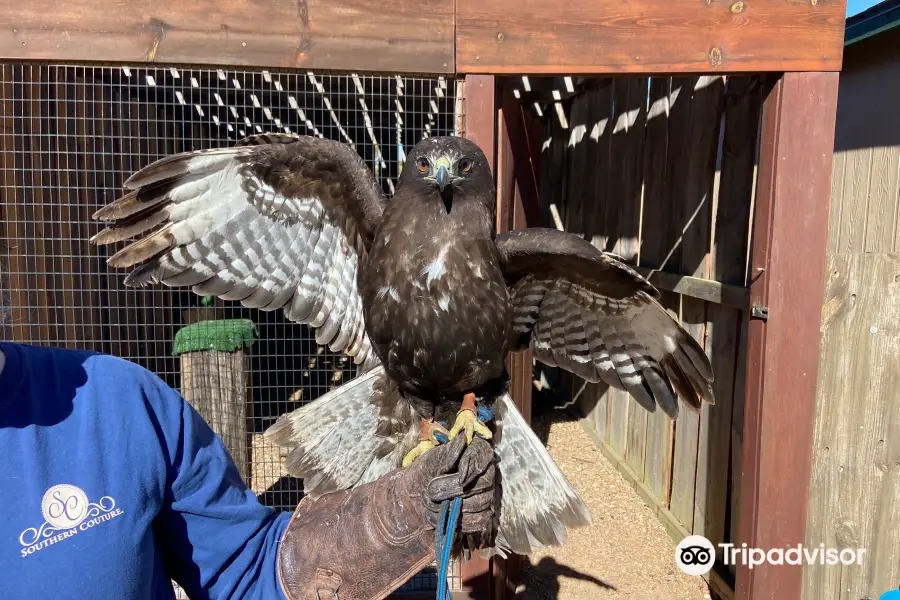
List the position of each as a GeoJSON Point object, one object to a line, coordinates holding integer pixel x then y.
{"type": "Point", "coordinates": [631, 122]}
{"type": "Point", "coordinates": [578, 200]}
{"type": "Point", "coordinates": [782, 357]}
{"type": "Point", "coordinates": [854, 207]}
{"type": "Point", "coordinates": [477, 574]}
{"type": "Point", "coordinates": [635, 124]}
{"type": "Point", "coordinates": [597, 183]}
{"type": "Point", "coordinates": [677, 169]}
{"type": "Point", "coordinates": [654, 225]}
{"type": "Point", "coordinates": [518, 163]}
{"type": "Point", "coordinates": [883, 199]}
{"type": "Point", "coordinates": [731, 220]}
{"type": "Point", "coordinates": [728, 262]}
{"type": "Point", "coordinates": [705, 120]}
{"type": "Point", "coordinates": [621, 142]}
{"type": "Point", "coordinates": [838, 170]}
{"type": "Point", "coordinates": [600, 174]}
{"type": "Point", "coordinates": [854, 496]}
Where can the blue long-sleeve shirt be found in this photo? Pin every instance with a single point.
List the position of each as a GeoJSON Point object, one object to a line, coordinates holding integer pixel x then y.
{"type": "Point", "coordinates": [111, 485]}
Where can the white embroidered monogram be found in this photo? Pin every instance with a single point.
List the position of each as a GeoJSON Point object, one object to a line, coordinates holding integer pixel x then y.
{"type": "Point", "coordinates": [67, 511]}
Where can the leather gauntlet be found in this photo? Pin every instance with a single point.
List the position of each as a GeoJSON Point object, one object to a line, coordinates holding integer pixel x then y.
{"type": "Point", "coordinates": [364, 543]}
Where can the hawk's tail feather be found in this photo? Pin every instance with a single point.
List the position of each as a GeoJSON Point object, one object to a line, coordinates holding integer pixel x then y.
{"type": "Point", "coordinates": [537, 502]}
{"type": "Point", "coordinates": [360, 431]}
{"type": "Point", "coordinates": [352, 435]}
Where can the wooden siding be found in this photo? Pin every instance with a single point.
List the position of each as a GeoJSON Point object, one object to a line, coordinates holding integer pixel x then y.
{"type": "Point", "coordinates": [665, 180]}
{"type": "Point", "coordinates": [855, 484]}
{"type": "Point", "coordinates": [391, 35]}
{"type": "Point", "coordinates": [648, 37]}
{"type": "Point", "coordinates": [438, 36]}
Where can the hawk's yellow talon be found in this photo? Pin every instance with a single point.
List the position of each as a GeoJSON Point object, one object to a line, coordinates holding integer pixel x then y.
{"type": "Point", "coordinates": [467, 420]}
{"type": "Point", "coordinates": [422, 447]}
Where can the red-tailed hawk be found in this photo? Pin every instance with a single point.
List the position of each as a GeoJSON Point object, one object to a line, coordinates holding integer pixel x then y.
{"type": "Point", "coordinates": [419, 291]}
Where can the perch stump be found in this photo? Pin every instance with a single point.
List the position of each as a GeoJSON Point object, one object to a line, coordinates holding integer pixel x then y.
{"type": "Point", "coordinates": [214, 367]}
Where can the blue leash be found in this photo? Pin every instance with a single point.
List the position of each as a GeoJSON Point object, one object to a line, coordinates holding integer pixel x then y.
{"type": "Point", "coordinates": [444, 542]}
{"type": "Point", "coordinates": [445, 532]}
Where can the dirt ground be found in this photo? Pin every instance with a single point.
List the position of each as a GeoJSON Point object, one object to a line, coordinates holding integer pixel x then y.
{"type": "Point", "coordinates": [624, 555]}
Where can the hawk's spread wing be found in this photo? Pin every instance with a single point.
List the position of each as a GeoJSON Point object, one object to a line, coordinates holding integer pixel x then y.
{"type": "Point", "coordinates": [277, 221]}
{"type": "Point", "coordinates": [585, 311]}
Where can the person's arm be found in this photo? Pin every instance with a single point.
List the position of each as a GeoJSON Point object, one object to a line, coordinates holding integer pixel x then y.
{"type": "Point", "coordinates": [220, 542]}
{"type": "Point", "coordinates": [217, 540]}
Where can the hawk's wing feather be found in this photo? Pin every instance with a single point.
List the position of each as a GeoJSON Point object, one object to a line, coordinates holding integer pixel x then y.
{"type": "Point", "coordinates": [589, 313]}
{"type": "Point", "coordinates": [277, 221]}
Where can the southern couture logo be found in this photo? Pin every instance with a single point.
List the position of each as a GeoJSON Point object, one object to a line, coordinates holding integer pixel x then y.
{"type": "Point", "coordinates": [67, 511]}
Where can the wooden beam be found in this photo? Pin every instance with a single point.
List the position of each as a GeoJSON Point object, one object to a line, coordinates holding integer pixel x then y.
{"type": "Point", "coordinates": [477, 575]}
{"type": "Point", "coordinates": [358, 35]}
{"type": "Point", "coordinates": [787, 269]}
{"type": "Point", "coordinates": [735, 296]}
{"type": "Point", "coordinates": [648, 37]}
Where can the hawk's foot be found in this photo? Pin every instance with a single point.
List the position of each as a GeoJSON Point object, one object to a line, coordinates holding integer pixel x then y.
{"type": "Point", "coordinates": [432, 435]}
{"type": "Point", "coordinates": [467, 420]}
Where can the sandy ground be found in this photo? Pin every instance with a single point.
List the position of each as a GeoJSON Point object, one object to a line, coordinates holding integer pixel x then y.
{"type": "Point", "coordinates": [624, 555]}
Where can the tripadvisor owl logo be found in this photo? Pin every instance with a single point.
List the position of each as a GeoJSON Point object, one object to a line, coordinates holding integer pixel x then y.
{"type": "Point", "coordinates": [67, 511]}
{"type": "Point", "coordinates": [695, 555]}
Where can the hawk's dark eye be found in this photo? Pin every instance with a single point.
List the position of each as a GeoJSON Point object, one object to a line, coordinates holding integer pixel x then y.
{"type": "Point", "coordinates": [422, 164]}
{"type": "Point", "coordinates": [465, 165]}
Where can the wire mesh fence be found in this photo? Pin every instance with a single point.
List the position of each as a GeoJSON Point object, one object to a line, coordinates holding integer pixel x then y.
{"type": "Point", "coordinates": [71, 136]}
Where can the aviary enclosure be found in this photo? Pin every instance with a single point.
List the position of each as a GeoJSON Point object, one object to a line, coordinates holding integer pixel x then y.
{"type": "Point", "coordinates": [693, 140]}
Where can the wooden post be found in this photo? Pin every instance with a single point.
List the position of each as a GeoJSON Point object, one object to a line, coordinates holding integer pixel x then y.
{"type": "Point", "coordinates": [517, 173]}
{"type": "Point", "coordinates": [787, 278]}
{"type": "Point", "coordinates": [214, 373]}
{"type": "Point", "coordinates": [477, 574]}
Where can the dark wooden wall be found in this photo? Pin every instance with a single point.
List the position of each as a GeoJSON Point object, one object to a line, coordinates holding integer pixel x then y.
{"type": "Point", "coordinates": [661, 171]}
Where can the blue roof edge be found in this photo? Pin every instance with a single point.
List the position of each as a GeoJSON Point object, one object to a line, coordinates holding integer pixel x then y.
{"type": "Point", "coordinates": [872, 21]}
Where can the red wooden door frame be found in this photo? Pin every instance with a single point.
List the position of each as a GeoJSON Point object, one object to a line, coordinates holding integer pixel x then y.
{"type": "Point", "coordinates": [787, 280]}
{"type": "Point", "coordinates": [510, 138]}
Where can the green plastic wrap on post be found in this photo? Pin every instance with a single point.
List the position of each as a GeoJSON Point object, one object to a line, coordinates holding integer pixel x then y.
{"type": "Point", "coordinates": [225, 335]}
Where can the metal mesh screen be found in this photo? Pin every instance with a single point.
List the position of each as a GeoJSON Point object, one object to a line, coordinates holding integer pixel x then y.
{"type": "Point", "coordinates": [72, 134]}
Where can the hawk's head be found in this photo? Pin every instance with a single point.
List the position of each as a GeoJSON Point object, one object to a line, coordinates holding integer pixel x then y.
{"type": "Point", "coordinates": [452, 167]}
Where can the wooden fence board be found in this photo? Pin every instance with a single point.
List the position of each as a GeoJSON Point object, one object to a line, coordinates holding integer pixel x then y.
{"type": "Point", "coordinates": [599, 136]}
{"type": "Point", "coordinates": [705, 118]}
{"type": "Point", "coordinates": [883, 198]}
{"type": "Point", "coordinates": [677, 170]}
{"type": "Point", "coordinates": [838, 170]}
{"type": "Point", "coordinates": [578, 200]}
{"type": "Point", "coordinates": [643, 36]}
{"type": "Point", "coordinates": [854, 497]}
{"type": "Point", "coordinates": [599, 176]}
{"type": "Point", "coordinates": [624, 146]}
{"type": "Point", "coordinates": [854, 206]}
{"type": "Point", "coordinates": [655, 219]}
{"type": "Point", "coordinates": [628, 246]}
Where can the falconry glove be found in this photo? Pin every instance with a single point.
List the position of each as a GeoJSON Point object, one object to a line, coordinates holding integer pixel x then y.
{"type": "Point", "coordinates": [365, 542]}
